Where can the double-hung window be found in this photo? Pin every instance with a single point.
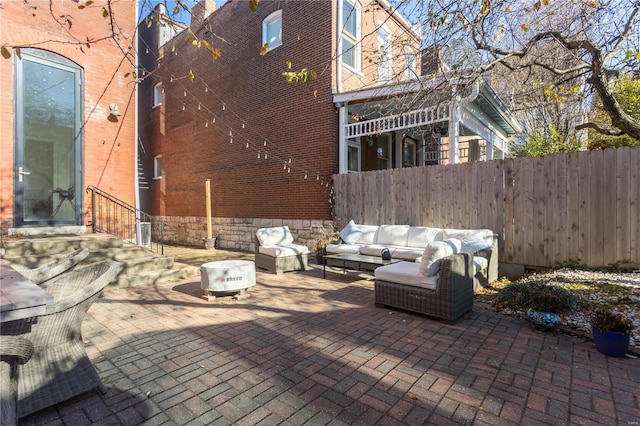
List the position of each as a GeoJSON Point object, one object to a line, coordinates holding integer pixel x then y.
{"type": "Point", "coordinates": [272, 30]}
{"type": "Point", "coordinates": [351, 34]}
{"type": "Point", "coordinates": [157, 94]}
{"type": "Point", "coordinates": [409, 63]}
{"type": "Point", "coordinates": [385, 71]}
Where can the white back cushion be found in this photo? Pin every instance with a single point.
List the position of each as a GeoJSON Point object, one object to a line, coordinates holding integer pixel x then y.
{"type": "Point", "coordinates": [420, 236]}
{"type": "Point", "coordinates": [392, 235]}
{"type": "Point", "coordinates": [434, 252]}
{"type": "Point", "coordinates": [368, 234]}
{"type": "Point", "coordinates": [279, 235]}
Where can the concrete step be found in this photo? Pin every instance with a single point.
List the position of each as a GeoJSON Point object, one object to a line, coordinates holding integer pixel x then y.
{"type": "Point", "coordinates": [179, 272]}
{"type": "Point", "coordinates": [43, 246]}
{"type": "Point", "coordinates": [139, 265]}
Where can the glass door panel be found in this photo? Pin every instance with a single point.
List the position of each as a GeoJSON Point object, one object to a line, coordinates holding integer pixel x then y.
{"type": "Point", "coordinates": [48, 142]}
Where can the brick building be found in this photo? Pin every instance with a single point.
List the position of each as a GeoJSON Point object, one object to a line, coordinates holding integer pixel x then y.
{"type": "Point", "coordinates": [268, 147]}
{"type": "Point", "coordinates": [215, 105]}
{"type": "Point", "coordinates": [63, 67]}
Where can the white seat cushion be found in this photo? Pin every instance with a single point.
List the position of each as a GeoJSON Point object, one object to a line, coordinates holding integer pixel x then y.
{"type": "Point", "coordinates": [342, 248]}
{"type": "Point", "coordinates": [479, 264]}
{"type": "Point", "coordinates": [279, 235]}
{"type": "Point", "coordinates": [406, 273]}
{"type": "Point", "coordinates": [283, 250]}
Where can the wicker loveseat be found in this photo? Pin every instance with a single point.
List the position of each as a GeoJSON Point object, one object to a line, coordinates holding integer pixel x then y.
{"type": "Point", "coordinates": [60, 368]}
{"type": "Point", "coordinates": [447, 295]}
{"type": "Point", "coordinates": [276, 251]}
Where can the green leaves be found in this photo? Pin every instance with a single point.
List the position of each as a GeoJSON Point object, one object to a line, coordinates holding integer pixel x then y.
{"type": "Point", "coordinates": [253, 5]}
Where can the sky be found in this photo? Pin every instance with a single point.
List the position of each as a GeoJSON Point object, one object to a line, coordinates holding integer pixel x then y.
{"type": "Point", "coordinates": [145, 6]}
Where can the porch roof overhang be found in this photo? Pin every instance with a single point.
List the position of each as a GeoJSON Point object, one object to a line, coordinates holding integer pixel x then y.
{"type": "Point", "coordinates": [486, 105]}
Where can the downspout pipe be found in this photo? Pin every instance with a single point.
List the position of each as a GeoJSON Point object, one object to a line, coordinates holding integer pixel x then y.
{"type": "Point", "coordinates": [136, 183]}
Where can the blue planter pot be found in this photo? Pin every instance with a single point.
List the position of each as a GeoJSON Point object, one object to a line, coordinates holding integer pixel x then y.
{"type": "Point", "coordinates": [611, 343]}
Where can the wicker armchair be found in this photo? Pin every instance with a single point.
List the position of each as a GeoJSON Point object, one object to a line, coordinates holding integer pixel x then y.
{"type": "Point", "coordinates": [55, 267]}
{"type": "Point", "coordinates": [14, 351]}
{"type": "Point", "coordinates": [60, 368]}
{"type": "Point", "coordinates": [452, 298]}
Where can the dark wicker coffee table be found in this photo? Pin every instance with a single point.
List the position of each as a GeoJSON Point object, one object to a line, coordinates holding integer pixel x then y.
{"type": "Point", "coordinates": [356, 262]}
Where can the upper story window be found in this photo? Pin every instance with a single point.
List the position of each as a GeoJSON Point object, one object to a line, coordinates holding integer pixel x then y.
{"type": "Point", "coordinates": [409, 63]}
{"type": "Point", "coordinates": [351, 34]}
{"type": "Point", "coordinates": [385, 70]}
{"type": "Point", "coordinates": [157, 94]}
{"type": "Point", "coordinates": [272, 30]}
{"type": "Point", "coordinates": [157, 167]}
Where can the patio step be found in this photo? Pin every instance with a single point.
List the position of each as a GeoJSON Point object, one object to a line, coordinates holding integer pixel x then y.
{"type": "Point", "coordinates": [139, 265]}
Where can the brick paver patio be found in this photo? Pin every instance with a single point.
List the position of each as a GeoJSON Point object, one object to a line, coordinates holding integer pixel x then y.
{"type": "Point", "coordinates": [304, 350]}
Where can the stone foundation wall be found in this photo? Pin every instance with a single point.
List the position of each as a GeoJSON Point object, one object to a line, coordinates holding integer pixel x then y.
{"type": "Point", "coordinates": [236, 233]}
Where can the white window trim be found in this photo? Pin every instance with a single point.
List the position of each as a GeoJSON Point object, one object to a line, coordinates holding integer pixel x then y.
{"type": "Point", "coordinates": [410, 65]}
{"type": "Point", "coordinates": [157, 95]}
{"type": "Point", "coordinates": [357, 41]}
{"type": "Point", "coordinates": [273, 17]}
{"type": "Point", "coordinates": [388, 62]}
{"type": "Point", "coordinates": [157, 167]}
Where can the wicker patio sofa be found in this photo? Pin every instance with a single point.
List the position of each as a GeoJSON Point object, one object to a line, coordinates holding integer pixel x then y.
{"type": "Point", "coordinates": [55, 267]}
{"type": "Point", "coordinates": [445, 293]}
{"type": "Point", "coordinates": [276, 252]}
{"type": "Point", "coordinates": [60, 368]}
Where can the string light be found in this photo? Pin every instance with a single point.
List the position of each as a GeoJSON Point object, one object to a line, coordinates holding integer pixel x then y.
{"type": "Point", "coordinates": [287, 160]}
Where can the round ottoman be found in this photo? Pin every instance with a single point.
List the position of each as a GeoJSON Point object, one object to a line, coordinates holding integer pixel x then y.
{"type": "Point", "coordinates": [227, 276]}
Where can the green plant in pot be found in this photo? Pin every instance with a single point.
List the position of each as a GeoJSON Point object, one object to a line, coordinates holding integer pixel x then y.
{"type": "Point", "coordinates": [611, 332]}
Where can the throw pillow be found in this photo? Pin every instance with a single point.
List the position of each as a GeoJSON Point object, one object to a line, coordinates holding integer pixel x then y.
{"type": "Point", "coordinates": [350, 233]}
{"type": "Point", "coordinates": [434, 252]}
{"type": "Point", "coordinates": [280, 235]}
{"type": "Point", "coordinates": [476, 242]}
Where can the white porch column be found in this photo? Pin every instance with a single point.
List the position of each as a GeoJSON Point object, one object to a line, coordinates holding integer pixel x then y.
{"type": "Point", "coordinates": [489, 151]}
{"type": "Point", "coordinates": [343, 120]}
{"type": "Point", "coordinates": [454, 133]}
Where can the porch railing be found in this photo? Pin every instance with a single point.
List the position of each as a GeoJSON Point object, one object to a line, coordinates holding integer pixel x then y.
{"type": "Point", "coordinates": [114, 216]}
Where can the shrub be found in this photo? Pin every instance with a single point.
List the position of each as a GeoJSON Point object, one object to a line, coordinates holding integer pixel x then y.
{"type": "Point", "coordinates": [539, 296]}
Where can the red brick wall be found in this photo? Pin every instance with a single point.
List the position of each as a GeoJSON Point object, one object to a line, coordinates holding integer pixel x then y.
{"type": "Point", "coordinates": [108, 146]}
{"type": "Point", "coordinates": [298, 120]}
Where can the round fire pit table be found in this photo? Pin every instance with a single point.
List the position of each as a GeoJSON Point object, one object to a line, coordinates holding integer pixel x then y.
{"type": "Point", "coordinates": [226, 277]}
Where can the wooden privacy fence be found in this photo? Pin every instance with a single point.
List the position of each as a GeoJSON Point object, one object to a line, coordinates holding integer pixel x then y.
{"type": "Point", "coordinates": [577, 206]}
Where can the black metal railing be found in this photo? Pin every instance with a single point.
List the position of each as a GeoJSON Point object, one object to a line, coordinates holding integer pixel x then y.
{"type": "Point", "coordinates": [114, 216]}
